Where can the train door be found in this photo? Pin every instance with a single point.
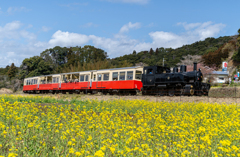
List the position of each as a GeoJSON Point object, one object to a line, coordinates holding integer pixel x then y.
{"type": "Point", "coordinates": [87, 79]}
{"type": "Point", "coordinates": [35, 83]}
{"type": "Point", "coordinates": [99, 81]}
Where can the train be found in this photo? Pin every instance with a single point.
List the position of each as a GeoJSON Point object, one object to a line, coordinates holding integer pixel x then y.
{"type": "Point", "coordinates": [150, 80]}
{"type": "Point", "coordinates": [162, 81]}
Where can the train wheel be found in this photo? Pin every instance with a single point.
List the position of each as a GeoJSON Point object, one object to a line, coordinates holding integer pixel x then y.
{"type": "Point", "coordinates": [199, 92]}
{"type": "Point", "coordinates": [133, 93]}
{"type": "Point", "coordinates": [171, 92]}
{"type": "Point", "coordinates": [144, 92]}
{"type": "Point", "coordinates": [85, 92]}
{"type": "Point", "coordinates": [191, 91]}
{"type": "Point", "coordinates": [206, 90]}
{"type": "Point", "coordinates": [161, 92]}
{"type": "Point", "coordinates": [104, 92]}
{"type": "Point", "coordinates": [179, 91]}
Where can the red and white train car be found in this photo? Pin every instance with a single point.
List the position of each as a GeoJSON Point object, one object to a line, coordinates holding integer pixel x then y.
{"type": "Point", "coordinates": [118, 80]}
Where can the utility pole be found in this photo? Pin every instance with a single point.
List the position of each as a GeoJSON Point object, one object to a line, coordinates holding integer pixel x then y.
{"type": "Point", "coordinates": [163, 62]}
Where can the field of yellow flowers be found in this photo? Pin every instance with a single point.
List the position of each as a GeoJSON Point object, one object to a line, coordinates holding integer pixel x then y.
{"type": "Point", "coordinates": [44, 126]}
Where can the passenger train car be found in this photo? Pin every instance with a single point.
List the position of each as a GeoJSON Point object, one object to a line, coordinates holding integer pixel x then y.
{"type": "Point", "coordinates": [118, 80]}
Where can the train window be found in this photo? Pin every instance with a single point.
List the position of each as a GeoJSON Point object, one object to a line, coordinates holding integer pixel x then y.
{"type": "Point", "coordinates": [99, 77]}
{"type": "Point", "coordinates": [64, 79]}
{"type": "Point", "coordinates": [106, 77]}
{"type": "Point", "coordinates": [75, 77]}
{"type": "Point", "coordinates": [115, 76]}
{"type": "Point", "coordinates": [138, 75]}
{"type": "Point", "coordinates": [129, 75]}
{"type": "Point", "coordinates": [94, 77]}
{"type": "Point", "coordinates": [55, 79]}
{"type": "Point", "coordinates": [150, 71]}
{"type": "Point", "coordinates": [86, 77]}
{"type": "Point", "coordinates": [81, 78]}
{"type": "Point", "coordinates": [42, 80]}
{"type": "Point", "coordinates": [122, 76]}
{"type": "Point", "coordinates": [49, 79]}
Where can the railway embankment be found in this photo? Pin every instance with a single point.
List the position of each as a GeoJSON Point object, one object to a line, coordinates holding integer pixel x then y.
{"type": "Point", "coordinates": [225, 92]}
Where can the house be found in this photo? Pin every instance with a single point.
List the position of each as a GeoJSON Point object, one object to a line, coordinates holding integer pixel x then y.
{"type": "Point", "coordinates": [217, 77]}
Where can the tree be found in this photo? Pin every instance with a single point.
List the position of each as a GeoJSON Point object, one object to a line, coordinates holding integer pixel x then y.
{"type": "Point", "coordinates": [156, 53]}
{"type": "Point", "coordinates": [189, 60]}
{"type": "Point", "coordinates": [238, 38]}
{"type": "Point", "coordinates": [215, 58]}
{"type": "Point", "coordinates": [56, 56]}
{"type": "Point", "coordinates": [151, 51]}
{"type": "Point", "coordinates": [35, 66]}
{"type": "Point", "coordinates": [71, 57]}
{"type": "Point", "coordinates": [134, 52]}
{"type": "Point", "coordinates": [12, 71]}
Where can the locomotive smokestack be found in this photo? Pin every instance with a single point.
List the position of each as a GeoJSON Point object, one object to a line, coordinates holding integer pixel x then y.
{"type": "Point", "coordinates": [175, 69]}
{"type": "Point", "coordinates": [194, 66]}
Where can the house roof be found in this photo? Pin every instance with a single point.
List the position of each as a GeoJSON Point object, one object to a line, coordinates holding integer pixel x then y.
{"type": "Point", "coordinates": [219, 73]}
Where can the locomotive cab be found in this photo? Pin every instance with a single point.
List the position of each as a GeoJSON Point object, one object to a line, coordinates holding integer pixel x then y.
{"type": "Point", "coordinates": [148, 76]}
{"type": "Point", "coordinates": [150, 72]}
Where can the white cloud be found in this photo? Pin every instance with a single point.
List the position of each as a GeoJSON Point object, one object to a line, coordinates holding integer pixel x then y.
{"type": "Point", "coordinates": [130, 1]}
{"type": "Point", "coordinates": [60, 38]}
{"type": "Point", "coordinates": [202, 30]}
{"type": "Point", "coordinates": [45, 29]}
{"type": "Point", "coordinates": [128, 26]}
{"type": "Point", "coordinates": [12, 31]}
{"type": "Point", "coordinates": [12, 10]}
{"type": "Point", "coordinates": [16, 44]}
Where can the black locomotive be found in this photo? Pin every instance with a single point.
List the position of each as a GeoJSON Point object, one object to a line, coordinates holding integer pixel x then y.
{"type": "Point", "coordinates": [158, 80]}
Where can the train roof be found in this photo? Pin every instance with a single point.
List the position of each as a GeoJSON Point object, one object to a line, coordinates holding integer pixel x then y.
{"type": "Point", "coordinates": [133, 67]}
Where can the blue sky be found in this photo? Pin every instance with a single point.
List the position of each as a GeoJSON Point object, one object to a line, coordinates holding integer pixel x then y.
{"type": "Point", "coordinates": [117, 26]}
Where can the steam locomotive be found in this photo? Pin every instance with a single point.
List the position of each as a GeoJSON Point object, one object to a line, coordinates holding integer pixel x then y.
{"type": "Point", "coordinates": [158, 80]}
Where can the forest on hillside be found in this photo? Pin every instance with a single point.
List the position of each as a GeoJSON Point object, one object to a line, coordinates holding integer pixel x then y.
{"type": "Point", "coordinates": [173, 56]}
{"type": "Point", "coordinates": [211, 52]}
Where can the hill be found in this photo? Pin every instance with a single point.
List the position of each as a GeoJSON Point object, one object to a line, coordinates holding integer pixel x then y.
{"type": "Point", "coordinates": [173, 56]}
